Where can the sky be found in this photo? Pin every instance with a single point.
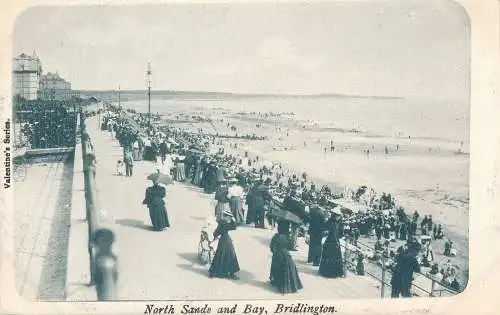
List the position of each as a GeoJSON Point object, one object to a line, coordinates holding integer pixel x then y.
{"type": "Point", "coordinates": [396, 48]}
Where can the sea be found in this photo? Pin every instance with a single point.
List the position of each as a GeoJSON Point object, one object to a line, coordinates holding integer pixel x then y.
{"type": "Point", "coordinates": [386, 117]}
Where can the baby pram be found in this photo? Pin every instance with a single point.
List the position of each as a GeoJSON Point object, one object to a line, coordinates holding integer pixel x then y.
{"type": "Point", "coordinates": [205, 249]}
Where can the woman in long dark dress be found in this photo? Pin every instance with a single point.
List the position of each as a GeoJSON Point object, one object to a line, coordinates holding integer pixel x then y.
{"type": "Point", "coordinates": [283, 276]}
{"type": "Point", "coordinates": [331, 265]}
{"type": "Point", "coordinates": [198, 174]}
{"type": "Point", "coordinates": [210, 180]}
{"type": "Point", "coordinates": [225, 263]}
{"type": "Point", "coordinates": [221, 195]}
{"type": "Point", "coordinates": [156, 205]}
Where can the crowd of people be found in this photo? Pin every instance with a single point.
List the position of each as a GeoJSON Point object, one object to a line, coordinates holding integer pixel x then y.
{"type": "Point", "coordinates": [276, 198]}
{"type": "Point", "coordinates": [48, 126]}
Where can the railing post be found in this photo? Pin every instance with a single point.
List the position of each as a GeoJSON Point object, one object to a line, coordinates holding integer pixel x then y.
{"type": "Point", "coordinates": [433, 287]}
{"type": "Point", "coordinates": [106, 265]}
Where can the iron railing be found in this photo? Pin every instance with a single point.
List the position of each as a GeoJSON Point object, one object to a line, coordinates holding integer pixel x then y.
{"type": "Point", "coordinates": [103, 262]}
{"type": "Point", "coordinates": [423, 285]}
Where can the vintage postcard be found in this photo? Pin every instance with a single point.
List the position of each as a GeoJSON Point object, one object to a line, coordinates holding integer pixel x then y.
{"type": "Point", "coordinates": [249, 157]}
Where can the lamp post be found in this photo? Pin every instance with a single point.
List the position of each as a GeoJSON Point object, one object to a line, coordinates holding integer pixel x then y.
{"type": "Point", "coordinates": [22, 79]}
{"type": "Point", "coordinates": [148, 74]}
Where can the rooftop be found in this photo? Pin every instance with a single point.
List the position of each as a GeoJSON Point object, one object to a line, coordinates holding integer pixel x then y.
{"type": "Point", "coordinates": [51, 75]}
{"type": "Point", "coordinates": [24, 56]}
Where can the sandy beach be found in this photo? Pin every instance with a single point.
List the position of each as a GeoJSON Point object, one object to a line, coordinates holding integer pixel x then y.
{"type": "Point", "coordinates": [424, 172]}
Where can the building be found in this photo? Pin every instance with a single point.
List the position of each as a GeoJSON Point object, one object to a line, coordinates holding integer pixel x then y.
{"type": "Point", "coordinates": [26, 74]}
{"type": "Point", "coordinates": [53, 87]}
{"type": "Point", "coordinates": [29, 82]}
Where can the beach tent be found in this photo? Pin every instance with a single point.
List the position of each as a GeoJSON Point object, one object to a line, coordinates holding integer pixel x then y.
{"type": "Point", "coordinates": [351, 206]}
{"type": "Point", "coordinates": [172, 141]}
{"type": "Point", "coordinates": [387, 212]}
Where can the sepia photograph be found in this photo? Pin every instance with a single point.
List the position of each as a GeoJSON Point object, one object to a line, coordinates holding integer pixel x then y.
{"type": "Point", "coordinates": [241, 151]}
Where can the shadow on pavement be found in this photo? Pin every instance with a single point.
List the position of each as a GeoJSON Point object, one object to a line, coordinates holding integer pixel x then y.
{"type": "Point", "coordinates": [197, 218]}
{"type": "Point", "coordinates": [263, 240]}
{"type": "Point", "coordinates": [247, 278]}
{"type": "Point", "coordinates": [134, 223]}
{"type": "Point", "coordinates": [191, 187]}
{"type": "Point", "coordinates": [197, 189]}
{"type": "Point", "coordinates": [191, 257]}
{"type": "Point", "coordinates": [192, 268]}
{"type": "Point", "coordinates": [308, 269]}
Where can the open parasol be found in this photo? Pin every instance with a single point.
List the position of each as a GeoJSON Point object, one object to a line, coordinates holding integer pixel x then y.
{"type": "Point", "coordinates": [318, 212]}
{"type": "Point", "coordinates": [336, 210]}
{"type": "Point", "coordinates": [162, 178]}
{"type": "Point", "coordinates": [286, 215]}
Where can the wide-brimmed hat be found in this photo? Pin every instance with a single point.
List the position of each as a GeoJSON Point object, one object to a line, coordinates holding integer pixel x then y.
{"type": "Point", "coordinates": [221, 179]}
{"type": "Point", "coordinates": [161, 178]}
{"type": "Point", "coordinates": [227, 212]}
{"type": "Point", "coordinates": [255, 176]}
{"type": "Point", "coordinates": [153, 176]}
{"type": "Point", "coordinates": [103, 235]}
{"type": "Point", "coordinates": [336, 210]}
{"type": "Point", "coordinates": [267, 179]}
{"type": "Point", "coordinates": [226, 216]}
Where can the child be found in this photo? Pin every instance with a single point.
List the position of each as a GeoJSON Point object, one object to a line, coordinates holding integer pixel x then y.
{"type": "Point", "coordinates": [120, 168]}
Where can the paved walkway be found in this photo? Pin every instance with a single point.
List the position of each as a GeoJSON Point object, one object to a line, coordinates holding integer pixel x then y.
{"type": "Point", "coordinates": [41, 222]}
{"type": "Point", "coordinates": [164, 265]}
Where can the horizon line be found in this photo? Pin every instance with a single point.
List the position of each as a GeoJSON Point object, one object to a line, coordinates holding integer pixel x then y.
{"type": "Point", "coordinates": [244, 94]}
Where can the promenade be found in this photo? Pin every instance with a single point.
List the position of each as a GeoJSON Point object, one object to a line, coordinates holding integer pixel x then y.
{"type": "Point", "coordinates": [164, 265]}
{"type": "Point", "coordinates": [41, 224]}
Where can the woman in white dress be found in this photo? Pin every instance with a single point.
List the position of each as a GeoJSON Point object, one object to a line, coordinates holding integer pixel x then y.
{"type": "Point", "coordinates": [235, 196]}
{"type": "Point", "coordinates": [164, 167]}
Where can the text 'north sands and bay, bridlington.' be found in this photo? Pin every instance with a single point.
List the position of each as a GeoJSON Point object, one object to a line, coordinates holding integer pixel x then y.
{"type": "Point", "coordinates": [299, 308]}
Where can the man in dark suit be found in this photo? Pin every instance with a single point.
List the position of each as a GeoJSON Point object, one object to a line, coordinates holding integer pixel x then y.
{"type": "Point", "coordinates": [163, 151]}
{"type": "Point", "coordinates": [317, 218]}
{"type": "Point", "coordinates": [250, 201]}
{"type": "Point", "coordinates": [293, 204]}
{"type": "Point", "coordinates": [261, 196]}
{"type": "Point", "coordinates": [409, 265]}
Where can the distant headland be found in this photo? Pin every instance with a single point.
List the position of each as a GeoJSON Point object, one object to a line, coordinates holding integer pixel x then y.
{"type": "Point", "coordinates": [204, 95]}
